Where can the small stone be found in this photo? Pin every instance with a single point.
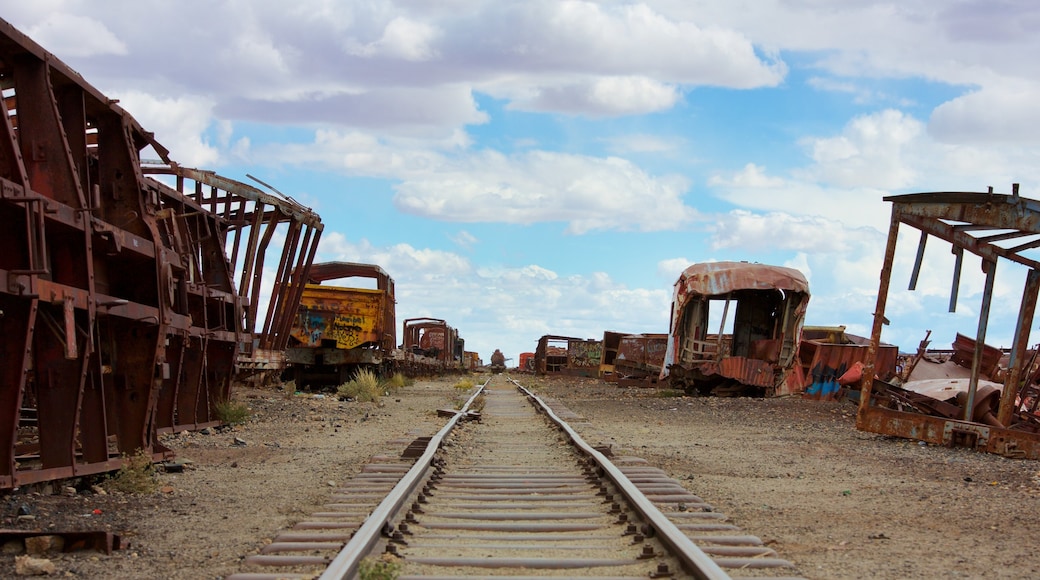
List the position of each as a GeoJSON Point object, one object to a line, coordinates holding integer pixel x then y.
{"type": "Point", "coordinates": [27, 518]}
{"type": "Point", "coordinates": [37, 545]}
{"type": "Point", "coordinates": [98, 490]}
{"type": "Point", "coordinates": [331, 483]}
{"type": "Point", "coordinates": [205, 431]}
{"type": "Point", "coordinates": [12, 547]}
{"type": "Point", "coordinates": [239, 442]}
{"type": "Point", "coordinates": [69, 491]}
{"type": "Point", "coordinates": [24, 510]}
{"type": "Point", "coordinates": [29, 566]}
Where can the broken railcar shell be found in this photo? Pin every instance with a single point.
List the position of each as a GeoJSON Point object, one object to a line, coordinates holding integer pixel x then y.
{"type": "Point", "coordinates": [119, 317]}
{"type": "Point", "coordinates": [996, 228]}
{"type": "Point", "coordinates": [340, 329]}
{"type": "Point", "coordinates": [567, 355]}
{"type": "Point", "coordinates": [429, 346]}
{"type": "Point", "coordinates": [760, 352]}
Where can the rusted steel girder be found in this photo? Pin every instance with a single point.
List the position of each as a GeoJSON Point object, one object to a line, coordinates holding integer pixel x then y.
{"type": "Point", "coordinates": [250, 219]}
{"type": "Point", "coordinates": [119, 315]}
{"type": "Point", "coordinates": [993, 227]}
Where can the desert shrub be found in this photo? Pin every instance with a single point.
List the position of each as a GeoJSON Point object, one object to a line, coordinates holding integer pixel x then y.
{"type": "Point", "coordinates": [399, 381]}
{"type": "Point", "coordinates": [363, 387]}
{"type": "Point", "coordinates": [464, 384]}
{"type": "Point", "coordinates": [232, 413]}
{"type": "Point", "coordinates": [136, 476]}
{"type": "Point", "coordinates": [370, 569]}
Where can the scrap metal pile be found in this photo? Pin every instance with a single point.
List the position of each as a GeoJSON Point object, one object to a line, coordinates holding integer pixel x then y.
{"type": "Point", "coordinates": [988, 416]}
{"type": "Point", "coordinates": [119, 312]}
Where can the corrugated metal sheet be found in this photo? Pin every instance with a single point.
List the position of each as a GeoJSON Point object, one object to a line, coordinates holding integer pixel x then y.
{"type": "Point", "coordinates": [825, 362]}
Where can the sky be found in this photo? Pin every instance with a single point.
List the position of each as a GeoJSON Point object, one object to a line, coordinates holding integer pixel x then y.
{"type": "Point", "coordinates": [533, 167]}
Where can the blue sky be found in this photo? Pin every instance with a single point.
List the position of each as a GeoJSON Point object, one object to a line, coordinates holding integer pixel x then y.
{"type": "Point", "coordinates": [549, 166]}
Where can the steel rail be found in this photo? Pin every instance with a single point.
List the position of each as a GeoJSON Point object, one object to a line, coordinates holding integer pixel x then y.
{"type": "Point", "coordinates": [694, 561]}
{"type": "Point", "coordinates": [345, 564]}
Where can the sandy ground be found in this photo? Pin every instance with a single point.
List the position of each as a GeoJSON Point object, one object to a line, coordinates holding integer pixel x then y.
{"type": "Point", "coordinates": [838, 502]}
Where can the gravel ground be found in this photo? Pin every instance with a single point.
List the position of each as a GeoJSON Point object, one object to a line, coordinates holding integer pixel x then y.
{"type": "Point", "coordinates": [838, 502]}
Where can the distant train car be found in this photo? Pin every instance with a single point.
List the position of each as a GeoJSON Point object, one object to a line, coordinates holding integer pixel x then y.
{"type": "Point", "coordinates": [640, 359]}
{"type": "Point", "coordinates": [498, 361]}
{"type": "Point", "coordinates": [526, 362]}
{"type": "Point", "coordinates": [472, 360]}
{"type": "Point", "coordinates": [755, 351]}
{"type": "Point", "coordinates": [565, 355]}
{"type": "Point", "coordinates": [430, 347]}
{"type": "Point", "coordinates": [340, 329]}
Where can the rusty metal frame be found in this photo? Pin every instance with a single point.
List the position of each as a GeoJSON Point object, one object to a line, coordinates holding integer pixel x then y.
{"type": "Point", "coordinates": [250, 219]}
{"type": "Point", "coordinates": [583, 356]}
{"type": "Point", "coordinates": [119, 315]}
{"type": "Point", "coordinates": [416, 358]}
{"type": "Point", "coordinates": [994, 227]}
{"type": "Point", "coordinates": [699, 361]}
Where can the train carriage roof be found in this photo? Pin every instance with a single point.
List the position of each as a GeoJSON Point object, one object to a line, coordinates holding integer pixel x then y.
{"type": "Point", "coordinates": [719, 278]}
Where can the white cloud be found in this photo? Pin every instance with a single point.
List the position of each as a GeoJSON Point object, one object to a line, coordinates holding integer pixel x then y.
{"type": "Point", "coordinates": [827, 209]}
{"type": "Point", "coordinates": [671, 268]}
{"type": "Point", "coordinates": [644, 143]}
{"type": "Point", "coordinates": [999, 113]}
{"type": "Point", "coordinates": [73, 35]}
{"type": "Point", "coordinates": [402, 38]}
{"type": "Point", "coordinates": [178, 123]}
{"type": "Point", "coordinates": [610, 96]}
{"type": "Point", "coordinates": [587, 193]}
{"type": "Point", "coordinates": [870, 152]}
{"type": "Point", "coordinates": [464, 239]}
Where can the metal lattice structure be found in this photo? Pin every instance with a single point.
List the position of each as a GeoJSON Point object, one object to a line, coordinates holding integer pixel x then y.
{"type": "Point", "coordinates": [119, 313]}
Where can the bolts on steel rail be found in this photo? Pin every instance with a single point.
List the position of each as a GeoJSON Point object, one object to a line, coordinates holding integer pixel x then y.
{"type": "Point", "coordinates": [416, 508]}
{"type": "Point", "coordinates": [615, 508]}
{"type": "Point", "coordinates": [410, 518]}
{"type": "Point", "coordinates": [622, 518]}
{"type": "Point", "coordinates": [630, 530]}
{"type": "Point", "coordinates": [647, 553]}
{"type": "Point", "coordinates": [637, 539]}
{"type": "Point", "coordinates": [662, 571]}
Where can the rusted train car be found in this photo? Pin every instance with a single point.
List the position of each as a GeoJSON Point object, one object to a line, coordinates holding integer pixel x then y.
{"type": "Point", "coordinates": [755, 352]}
{"type": "Point", "coordinates": [430, 346]}
{"type": "Point", "coordinates": [341, 329]}
{"type": "Point", "coordinates": [566, 355]}
{"type": "Point", "coordinates": [119, 316]}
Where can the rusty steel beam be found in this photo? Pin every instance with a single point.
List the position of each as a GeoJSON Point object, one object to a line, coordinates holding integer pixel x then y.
{"type": "Point", "coordinates": [953, 217]}
{"type": "Point", "coordinates": [119, 316]}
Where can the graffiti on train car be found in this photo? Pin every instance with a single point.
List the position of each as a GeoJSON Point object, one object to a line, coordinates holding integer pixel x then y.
{"type": "Point", "coordinates": [640, 359]}
{"type": "Point", "coordinates": [340, 329]}
{"type": "Point", "coordinates": [567, 355]}
{"type": "Point", "coordinates": [828, 353]}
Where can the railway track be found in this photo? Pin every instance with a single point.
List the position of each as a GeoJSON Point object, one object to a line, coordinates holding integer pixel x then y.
{"type": "Point", "coordinates": [507, 489]}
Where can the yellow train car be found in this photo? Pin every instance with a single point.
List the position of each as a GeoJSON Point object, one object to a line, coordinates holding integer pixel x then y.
{"type": "Point", "coordinates": [340, 329]}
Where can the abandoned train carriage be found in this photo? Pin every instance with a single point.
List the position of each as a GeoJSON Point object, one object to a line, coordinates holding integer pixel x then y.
{"type": "Point", "coordinates": [758, 354]}
{"type": "Point", "coordinates": [119, 316]}
{"type": "Point", "coordinates": [340, 329]}
{"type": "Point", "coordinates": [430, 346]}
